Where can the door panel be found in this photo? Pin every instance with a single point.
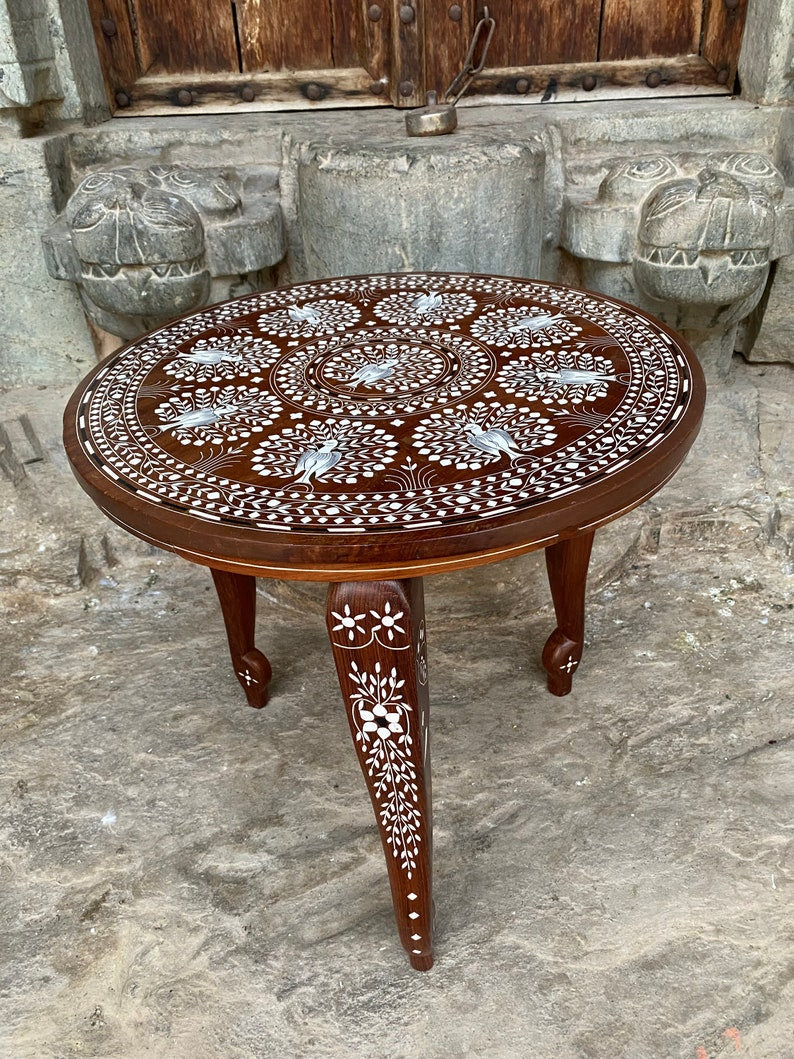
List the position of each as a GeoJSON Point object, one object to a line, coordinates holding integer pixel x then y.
{"type": "Point", "coordinates": [446, 41]}
{"type": "Point", "coordinates": [634, 29]}
{"type": "Point", "coordinates": [284, 35]}
{"type": "Point", "coordinates": [227, 55]}
{"type": "Point", "coordinates": [554, 31]}
{"type": "Point", "coordinates": [180, 37]}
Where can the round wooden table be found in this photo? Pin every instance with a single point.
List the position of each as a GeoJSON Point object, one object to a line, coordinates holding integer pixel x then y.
{"type": "Point", "coordinates": [367, 431]}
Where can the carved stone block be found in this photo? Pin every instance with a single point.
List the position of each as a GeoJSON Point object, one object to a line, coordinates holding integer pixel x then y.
{"type": "Point", "coordinates": [769, 330]}
{"type": "Point", "coordinates": [145, 245]}
{"type": "Point", "coordinates": [359, 206]}
{"type": "Point", "coordinates": [687, 237]}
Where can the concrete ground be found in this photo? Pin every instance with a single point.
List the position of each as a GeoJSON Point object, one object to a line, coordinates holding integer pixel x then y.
{"type": "Point", "coordinates": [181, 876]}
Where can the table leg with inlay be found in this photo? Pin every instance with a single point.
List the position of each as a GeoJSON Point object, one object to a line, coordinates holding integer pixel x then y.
{"type": "Point", "coordinates": [237, 595]}
{"type": "Point", "coordinates": [377, 632]}
{"type": "Point", "coordinates": [566, 564]}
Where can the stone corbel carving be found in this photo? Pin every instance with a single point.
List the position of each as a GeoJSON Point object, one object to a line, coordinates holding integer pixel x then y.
{"type": "Point", "coordinates": [145, 245]}
{"type": "Point", "coordinates": [688, 238]}
{"type": "Point", "coordinates": [27, 60]}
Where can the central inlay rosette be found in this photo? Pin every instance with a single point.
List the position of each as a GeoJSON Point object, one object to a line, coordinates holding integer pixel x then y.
{"type": "Point", "coordinates": [381, 371]}
{"type": "Point", "coordinates": [384, 368]}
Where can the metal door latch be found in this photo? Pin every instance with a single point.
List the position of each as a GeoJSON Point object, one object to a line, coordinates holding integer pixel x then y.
{"type": "Point", "coordinates": [438, 119]}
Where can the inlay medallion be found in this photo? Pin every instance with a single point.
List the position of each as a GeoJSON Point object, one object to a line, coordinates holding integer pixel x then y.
{"type": "Point", "coordinates": [383, 401]}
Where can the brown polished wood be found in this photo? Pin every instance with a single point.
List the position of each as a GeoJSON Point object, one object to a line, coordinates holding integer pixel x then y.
{"type": "Point", "coordinates": [237, 596]}
{"type": "Point", "coordinates": [369, 431]}
{"type": "Point", "coordinates": [566, 564]}
{"type": "Point", "coordinates": [227, 492]}
{"type": "Point", "coordinates": [377, 632]}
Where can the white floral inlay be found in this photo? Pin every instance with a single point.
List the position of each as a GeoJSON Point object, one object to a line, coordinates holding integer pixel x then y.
{"type": "Point", "coordinates": [381, 716]}
{"type": "Point", "coordinates": [349, 622]}
{"type": "Point", "coordinates": [385, 367]}
{"type": "Point", "coordinates": [559, 378]}
{"type": "Point", "coordinates": [217, 414]}
{"type": "Point", "coordinates": [326, 316]}
{"type": "Point", "coordinates": [522, 326]}
{"type": "Point", "coordinates": [387, 622]}
{"type": "Point", "coordinates": [469, 437]}
{"type": "Point", "coordinates": [347, 453]}
{"type": "Point", "coordinates": [333, 450]}
{"type": "Point", "coordinates": [429, 307]}
{"type": "Point", "coordinates": [213, 359]}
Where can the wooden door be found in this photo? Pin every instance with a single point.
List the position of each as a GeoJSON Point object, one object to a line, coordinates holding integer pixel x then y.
{"type": "Point", "coordinates": [222, 55]}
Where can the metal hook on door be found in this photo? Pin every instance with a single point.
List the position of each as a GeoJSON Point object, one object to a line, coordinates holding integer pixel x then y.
{"type": "Point", "coordinates": [438, 119]}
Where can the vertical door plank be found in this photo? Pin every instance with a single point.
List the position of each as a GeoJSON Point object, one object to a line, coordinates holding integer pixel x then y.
{"type": "Point", "coordinates": [408, 44]}
{"type": "Point", "coordinates": [558, 31]}
{"type": "Point", "coordinates": [636, 29]}
{"type": "Point", "coordinates": [285, 34]}
{"type": "Point", "coordinates": [378, 45]}
{"type": "Point", "coordinates": [117, 54]}
{"type": "Point", "coordinates": [446, 41]}
{"type": "Point", "coordinates": [347, 35]}
{"type": "Point", "coordinates": [501, 11]}
{"type": "Point", "coordinates": [193, 35]}
{"type": "Point", "coordinates": [722, 37]}
{"type": "Point", "coordinates": [529, 33]}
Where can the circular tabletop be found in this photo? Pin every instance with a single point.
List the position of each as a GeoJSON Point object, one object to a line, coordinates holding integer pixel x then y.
{"type": "Point", "coordinates": [395, 424]}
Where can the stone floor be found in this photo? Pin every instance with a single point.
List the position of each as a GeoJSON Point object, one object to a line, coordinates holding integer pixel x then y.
{"type": "Point", "coordinates": [184, 877]}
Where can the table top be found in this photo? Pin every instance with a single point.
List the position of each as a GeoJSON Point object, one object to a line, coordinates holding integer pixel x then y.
{"type": "Point", "coordinates": [397, 424]}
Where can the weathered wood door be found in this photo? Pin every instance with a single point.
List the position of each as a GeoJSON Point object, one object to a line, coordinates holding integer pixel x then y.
{"type": "Point", "coordinates": [224, 55]}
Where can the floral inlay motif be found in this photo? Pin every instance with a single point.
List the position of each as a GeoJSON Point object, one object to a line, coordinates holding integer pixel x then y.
{"type": "Point", "coordinates": [228, 356]}
{"type": "Point", "coordinates": [386, 630]}
{"type": "Point", "coordinates": [382, 718]}
{"type": "Point", "coordinates": [559, 378]}
{"type": "Point", "coordinates": [382, 371]}
{"type": "Point", "coordinates": [421, 654]}
{"type": "Point", "coordinates": [326, 316]}
{"type": "Point", "coordinates": [217, 413]}
{"type": "Point", "coordinates": [386, 367]}
{"type": "Point", "coordinates": [388, 622]}
{"type": "Point", "coordinates": [311, 452]}
{"type": "Point", "coordinates": [349, 622]}
{"type": "Point", "coordinates": [427, 307]}
{"type": "Point", "coordinates": [471, 436]}
{"type": "Point", "coordinates": [524, 326]}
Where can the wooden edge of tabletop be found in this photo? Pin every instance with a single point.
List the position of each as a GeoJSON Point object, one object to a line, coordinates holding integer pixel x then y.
{"type": "Point", "coordinates": [307, 556]}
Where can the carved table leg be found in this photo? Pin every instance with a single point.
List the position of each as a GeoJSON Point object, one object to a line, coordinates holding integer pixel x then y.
{"type": "Point", "coordinates": [377, 632]}
{"type": "Point", "coordinates": [566, 563]}
{"type": "Point", "coordinates": [237, 595]}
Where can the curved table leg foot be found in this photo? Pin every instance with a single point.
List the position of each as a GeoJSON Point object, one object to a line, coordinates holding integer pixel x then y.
{"type": "Point", "coordinates": [237, 595]}
{"type": "Point", "coordinates": [377, 632]}
{"type": "Point", "coordinates": [566, 563]}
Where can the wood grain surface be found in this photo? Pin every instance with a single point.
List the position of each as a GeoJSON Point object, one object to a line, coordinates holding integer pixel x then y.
{"type": "Point", "coordinates": [118, 57]}
{"type": "Point", "coordinates": [284, 35]}
{"type": "Point", "coordinates": [528, 34]}
{"type": "Point", "coordinates": [379, 643]}
{"type": "Point", "coordinates": [179, 37]}
{"type": "Point", "coordinates": [633, 29]}
{"type": "Point", "coordinates": [722, 36]}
